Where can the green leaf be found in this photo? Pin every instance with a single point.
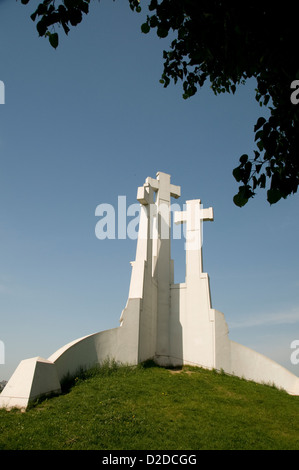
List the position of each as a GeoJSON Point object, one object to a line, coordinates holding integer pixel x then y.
{"type": "Point", "coordinates": [256, 155]}
{"type": "Point", "coordinates": [247, 170]}
{"type": "Point", "coordinates": [53, 38]}
{"type": "Point", "coordinates": [243, 159]}
{"type": "Point", "coordinates": [273, 196]}
{"type": "Point", "coordinates": [259, 134]}
{"type": "Point", "coordinates": [68, 3]}
{"type": "Point", "coordinates": [266, 100]}
{"type": "Point", "coordinates": [260, 145]}
{"type": "Point", "coordinates": [145, 28]}
{"type": "Point", "coordinates": [240, 200]}
{"type": "Point", "coordinates": [42, 27]}
{"type": "Point", "coordinates": [262, 180]}
{"type": "Point", "coordinates": [260, 122]}
{"type": "Point", "coordinates": [153, 5]}
{"type": "Point", "coordinates": [237, 174]}
{"type": "Point", "coordinates": [153, 21]}
{"type": "Point", "coordinates": [33, 16]}
{"type": "Point", "coordinates": [75, 17]}
{"type": "Point", "coordinates": [42, 9]}
{"type": "Point", "coordinates": [243, 195]}
{"type": "Point", "coordinates": [85, 7]}
{"type": "Point", "coordinates": [254, 182]}
{"type": "Point", "coordinates": [162, 32]}
{"type": "Point", "coordinates": [65, 27]}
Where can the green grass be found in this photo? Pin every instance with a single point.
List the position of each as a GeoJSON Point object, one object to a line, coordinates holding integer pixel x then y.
{"type": "Point", "coordinates": [152, 408]}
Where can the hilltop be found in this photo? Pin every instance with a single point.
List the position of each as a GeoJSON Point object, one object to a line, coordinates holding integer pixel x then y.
{"type": "Point", "coordinates": [151, 408]}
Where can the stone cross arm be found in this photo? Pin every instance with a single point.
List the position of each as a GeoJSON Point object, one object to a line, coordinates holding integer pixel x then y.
{"type": "Point", "coordinates": [193, 215]}
{"type": "Point", "coordinates": [162, 185]}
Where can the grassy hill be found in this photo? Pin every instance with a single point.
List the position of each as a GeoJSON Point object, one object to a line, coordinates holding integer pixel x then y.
{"type": "Point", "coordinates": [152, 408]}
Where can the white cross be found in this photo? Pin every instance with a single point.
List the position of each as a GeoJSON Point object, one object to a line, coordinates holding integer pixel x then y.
{"type": "Point", "coordinates": [193, 216]}
{"type": "Point", "coordinates": [162, 185]}
{"type": "Point", "coordinates": [161, 208]}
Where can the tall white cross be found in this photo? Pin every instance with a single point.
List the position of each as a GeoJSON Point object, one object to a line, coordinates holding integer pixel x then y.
{"type": "Point", "coordinates": [161, 256]}
{"type": "Point", "coordinates": [193, 216]}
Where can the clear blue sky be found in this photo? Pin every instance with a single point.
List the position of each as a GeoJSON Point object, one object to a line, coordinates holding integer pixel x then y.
{"type": "Point", "coordinates": [89, 122]}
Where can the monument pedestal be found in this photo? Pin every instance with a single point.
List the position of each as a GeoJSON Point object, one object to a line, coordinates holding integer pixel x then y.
{"type": "Point", "coordinates": [32, 379]}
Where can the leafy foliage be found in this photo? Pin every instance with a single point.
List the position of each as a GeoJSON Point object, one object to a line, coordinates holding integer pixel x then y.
{"type": "Point", "coordinates": [225, 43]}
{"type": "Point", "coordinates": [69, 12]}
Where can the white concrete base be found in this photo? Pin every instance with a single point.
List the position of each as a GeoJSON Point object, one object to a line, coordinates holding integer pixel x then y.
{"type": "Point", "coordinates": [33, 378]}
{"type": "Point", "coordinates": [256, 367]}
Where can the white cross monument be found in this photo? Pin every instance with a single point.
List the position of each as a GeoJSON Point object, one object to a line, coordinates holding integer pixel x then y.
{"type": "Point", "coordinates": [173, 324]}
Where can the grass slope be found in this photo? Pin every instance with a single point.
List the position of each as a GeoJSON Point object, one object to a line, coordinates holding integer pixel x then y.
{"type": "Point", "coordinates": [152, 408]}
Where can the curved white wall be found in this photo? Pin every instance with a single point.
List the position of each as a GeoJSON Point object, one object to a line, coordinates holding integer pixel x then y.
{"type": "Point", "coordinates": [252, 365]}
